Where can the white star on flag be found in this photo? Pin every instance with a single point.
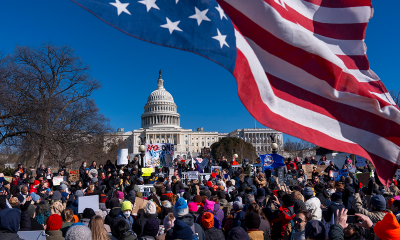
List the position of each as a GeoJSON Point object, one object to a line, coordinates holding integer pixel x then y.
{"type": "Point", "coordinates": [150, 4]}
{"type": "Point", "coordinates": [121, 7]}
{"type": "Point", "coordinates": [177, 1]}
{"type": "Point", "coordinates": [221, 12]}
{"type": "Point", "coordinates": [172, 26]}
{"type": "Point", "coordinates": [200, 15]}
{"type": "Point", "coordinates": [221, 39]}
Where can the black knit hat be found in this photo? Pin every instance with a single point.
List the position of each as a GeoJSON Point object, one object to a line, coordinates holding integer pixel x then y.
{"type": "Point", "coordinates": [221, 194]}
{"type": "Point", "coordinates": [252, 220]}
{"type": "Point", "coordinates": [288, 200]}
{"type": "Point", "coordinates": [151, 227]}
{"type": "Point", "coordinates": [88, 213]}
{"type": "Point", "coordinates": [238, 233]}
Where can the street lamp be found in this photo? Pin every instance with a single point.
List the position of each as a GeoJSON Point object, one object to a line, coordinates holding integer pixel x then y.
{"type": "Point", "coordinates": [274, 146]}
{"type": "Point", "coordinates": [142, 150]}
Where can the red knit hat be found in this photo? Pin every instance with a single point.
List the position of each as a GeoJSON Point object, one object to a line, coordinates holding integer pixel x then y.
{"type": "Point", "coordinates": [207, 220]}
{"type": "Point", "coordinates": [209, 184]}
{"type": "Point", "coordinates": [388, 228]}
{"type": "Point", "coordinates": [36, 182]}
{"type": "Point", "coordinates": [54, 222]}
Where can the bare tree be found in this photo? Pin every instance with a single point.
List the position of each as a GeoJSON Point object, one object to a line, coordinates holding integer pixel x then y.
{"type": "Point", "coordinates": [396, 96]}
{"type": "Point", "coordinates": [53, 89]}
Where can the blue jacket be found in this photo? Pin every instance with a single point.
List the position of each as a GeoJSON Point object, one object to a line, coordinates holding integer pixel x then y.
{"type": "Point", "coordinates": [129, 220]}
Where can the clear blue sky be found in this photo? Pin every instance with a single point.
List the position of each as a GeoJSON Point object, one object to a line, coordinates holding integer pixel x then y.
{"type": "Point", "coordinates": [127, 68]}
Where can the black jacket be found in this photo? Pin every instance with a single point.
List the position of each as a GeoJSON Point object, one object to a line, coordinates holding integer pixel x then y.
{"type": "Point", "coordinates": [141, 221]}
{"type": "Point", "coordinates": [214, 234]}
{"type": "Point", "coordinates": [332, 210]}
{"type": "Point", "coordinates": [176, 187]}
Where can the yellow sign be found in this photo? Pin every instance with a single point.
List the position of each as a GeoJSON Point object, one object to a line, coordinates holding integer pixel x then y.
{"type": "Point", "coordinates": [146, 172]}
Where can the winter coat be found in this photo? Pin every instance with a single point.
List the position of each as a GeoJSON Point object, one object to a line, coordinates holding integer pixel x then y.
{"type": "Point", "coordinates": [196, 228]}
{"type": "Point", "coordinates": [111, 215]}
{"type": "Point", "coordinates": [141, 221]}
{"type": "Point", "coordinates": [313, 205]}
{"type": "Point", "coordinates": [336, 232]}
{"type": "Point", "coordinates": [74, 206]}
{"type": "Point", "coordinates": [65, 227]}
{"type": "Point", "coordinates": [262, 182]}
{"type": "Point", "coordinates": [321, 198]}
{"type": "Point", "coordinates": [256, 235]}
{"type": "Point", "coordinates": [54, 235]}
{"type": "Point", "coordinates": [176, 187]}
{"type": "Point", "coordinates": [226, 206]}
{"type": "Point", "coordinates": [128, 220]}
{"type": "Point", "coordinates": [219, 213]}
{"type": "Point", "coordinates": [264, 226]}
{"type": "Point", "coordinates": [214, 234]}
{"type": "Point", "coordinates": [286, 214]}
{"type": "Point", "coordinates": [5, 235]}
{"type": "Point", "coordinates": [347, 196]}
{"type": "Point", "coordinates": [130, 236]}
{"type": "Point", "coordinates": [375, 216]}
{"type": "Point", "coordinates": [332, 210]}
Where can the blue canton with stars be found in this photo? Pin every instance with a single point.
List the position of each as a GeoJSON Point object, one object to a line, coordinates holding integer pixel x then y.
{"type": "Point", "coordinates": [198, 26]}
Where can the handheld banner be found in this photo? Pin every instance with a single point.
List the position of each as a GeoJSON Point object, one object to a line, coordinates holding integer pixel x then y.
{"type": "Point", "coordinates": [146, 172]}
{"type": "Point", "coordinates": [159, 154]}
{"type": "Point", "coordinates": [193, 175]}
{"type": "Point", "coordinates": [88, 202]}
{"type": "Point", "coordinates": [122, 156]}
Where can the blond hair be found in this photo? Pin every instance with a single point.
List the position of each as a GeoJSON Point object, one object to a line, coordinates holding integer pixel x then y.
{"type": "Point", "coordinates": [96, 226]}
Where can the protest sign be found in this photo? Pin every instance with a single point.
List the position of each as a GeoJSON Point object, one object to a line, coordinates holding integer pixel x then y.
{"type": "Point", "coordinates": [139, 204]}
{"type": "Point", "coordinates": [146, 172]}
{"type": "Point", "coordinates": [73, 175]}
{"type": "Point", "coordinates": [206, 153]}
{"type": "Point", "coordinates": [159, 154]}
{"type": "Point", "coordinates": [32, 235]}
{"type": "Point", "coordinates": [88, 202]}
{"type": "Point", "coordinates": [352, 169]}
{"type": "Point", "coordinates": [279, 172]}
{"type": "Point", "coordinates": [193, 175]}
{"type": "Point", "coordinates": [334, 174]}
{"type": "Point", "coordinates": [343, 172]}
{"type": "Point", "coordinates": [363, 178]}
{"type": "Point", "coordinates": [216, 169]}
{"type": "Point", "coordinates": [308, 169]}
{"type": "Point", "coordinates": [122, 156]}
{"type": "Point", "coordinates": [361, 162]}
{"type": "Point", "coordinates": [291, 180]}
{"type": "Point", "coordinates": [9, 179]}
{"type": "Point", "coordinates": [57, 180]}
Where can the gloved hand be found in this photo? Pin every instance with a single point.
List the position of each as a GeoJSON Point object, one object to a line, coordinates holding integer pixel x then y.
{"type": "Point", "coordinates": [357, 187]}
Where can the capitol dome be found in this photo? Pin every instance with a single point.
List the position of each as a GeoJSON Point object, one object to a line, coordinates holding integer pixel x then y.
{"type": "Point", "coordinates": [160, 109]}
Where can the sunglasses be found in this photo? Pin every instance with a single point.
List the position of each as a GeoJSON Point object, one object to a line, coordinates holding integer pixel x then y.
{"type": "Point", "coordinates": [299, 220]}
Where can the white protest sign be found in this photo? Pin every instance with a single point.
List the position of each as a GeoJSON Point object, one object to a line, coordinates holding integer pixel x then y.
{"type": "Point", "coordinates": [193, 175]}
{"type": "Point", "coordinates": [57, 180]}
{"type": "Point", "coordinates": [361, 162]}
{"type": "Point", "coordinates": [352, 169]}
{"type": "Point", "coordinates": [122, 156]}
{"type": "Point", "coordinates": [32, 235]}
{"type": "Point", "coordinates": [88, 202]}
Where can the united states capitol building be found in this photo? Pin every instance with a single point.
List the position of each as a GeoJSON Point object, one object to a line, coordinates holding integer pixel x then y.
{"type": "Point", "coordinates": [161, 124]}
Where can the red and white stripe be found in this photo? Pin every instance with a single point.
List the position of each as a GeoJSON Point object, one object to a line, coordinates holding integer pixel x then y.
{"type": "Point", "coordinates": [302, 69]}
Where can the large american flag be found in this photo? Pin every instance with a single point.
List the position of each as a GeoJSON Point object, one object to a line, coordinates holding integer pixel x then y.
{"type": "Point", "coordinates": [300, 65]}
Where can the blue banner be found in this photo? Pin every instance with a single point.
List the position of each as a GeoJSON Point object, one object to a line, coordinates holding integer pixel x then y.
{"type": "Point", "coordinates": [270, 161]}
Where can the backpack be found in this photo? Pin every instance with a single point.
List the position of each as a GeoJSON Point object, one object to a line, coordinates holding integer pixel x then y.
{"type": "Point", "coordinates": [195, 235]}
{"type": "Point", "coordinates": [288, 234]}
{"type": "Point", "coordinates": [230, 222]}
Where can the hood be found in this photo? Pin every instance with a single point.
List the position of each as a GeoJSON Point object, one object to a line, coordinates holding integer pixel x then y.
{"type": "Point", "coordinates": [181, 230]}
{"type": "Point", "coordinates": [216, 207]}
{"type": "Point", "coordinates": [188, 219]}
{"type": "Point", "coordinates": [223, 202]}
{"type": "Point", "coordinates": [114, 202]}
{"type": "Point", "coordinates": [10, 220]}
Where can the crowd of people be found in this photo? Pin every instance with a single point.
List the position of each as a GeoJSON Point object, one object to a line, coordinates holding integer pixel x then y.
{"type": "Point", "coordinates": [237, 204]}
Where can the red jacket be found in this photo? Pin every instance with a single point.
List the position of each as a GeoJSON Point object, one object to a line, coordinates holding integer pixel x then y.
{"type": "Point", "coordinates": [285, 216]}
{"type": "Point", "coordinates": [32, 189]}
